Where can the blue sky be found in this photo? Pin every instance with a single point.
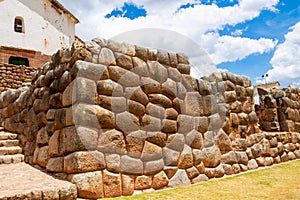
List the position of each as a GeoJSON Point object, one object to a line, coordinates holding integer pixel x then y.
{"type": "Point", "coordinates": [249, 37]}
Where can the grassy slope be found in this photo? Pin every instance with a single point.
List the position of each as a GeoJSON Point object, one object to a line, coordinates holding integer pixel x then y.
{"type": "Point", "coordinates": [278, 182]}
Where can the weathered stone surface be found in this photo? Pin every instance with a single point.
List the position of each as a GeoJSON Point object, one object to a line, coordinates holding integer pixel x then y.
{"type": "Point", "coordinates": [113, 162]}
{"type": "Point", "coordinates": [180, 178]}
{"type": "Point", "coordinates": [124, 77]}
{"type": "Point", "coordinates": [143, 182]}
{"type": "Point", "coordinates": [135, 143]}
{"type": "Point", "coordinates": [106, 57]}
{"type": "Point", "coordinates": [210, 172]}
{"type": "Point", "coordinates": [124, 61]}
{"type": "Point", "coordinates": [242, 158]}
{"type": "Point", "coordinates": [112, 184]}
{"type": "Point", "coordinates": [43, 156]}
{"type": "Point", "coordinates": [185, 123]}
{"type": "Point", "coordinates": [155, 111]}
{"type": "Point", "coordinates": [93, 116]}
{"type": "Point", "coordinates": [127, 185]}
{"type": "Point", "coordinates": [157, 138]}
{"type": "Point", "coordinates": [236, 168]}
{"type": "Point", "coordinates": [151, 124]}
{"type": "Point", "coordinates": [140, 67]}
{"type": "Point", "coordinates": [161, 100]}
{"type": "Point", "coordinates": [55, 164]}
{"type": "Point", "coordinates": [194, 139]}
{"type": "Point", "coordinates": [170, 156]}
{"type": "Point", "coordinates": [252, 164]}
{"type": "Point", "coordinates": [199, 179]}
{"type": "Point", "coordinates": [171, 113]}
{"type": "Point", "coordinates": [84, 161]}
{"type": "Point", "coordinates": [131, 165]}
{"type": "Point", "coordinates": [157, 71]}
{"type": "Point", "coordinates": [160, 180]}
{"type": "Point", "coordinates": [223, 142]}
{"type": "Point", "coordinates": [186, 159]}
{"type": "Point", "coordinates": [109, 87]}
{"type": "Point", "coordinates": [229, 158]}
{"type": "Point", "coordinates": [127, 122]}
{"type": "Point", "coordinates": [112, 141]}
{"type": "Point", "coordinates": [227, 169]}
{"type": "Point", "coordinates": [136, 108]}
{"type": "Point", "coordinates": [169, 126]}
{"type": "Point", "coordinates": [151, 152]}
{"type": "Point", "coordinates": [193, 104]}
{"type": "Point", "coordinates": [261, 161]}
{"type": "Point", "coordinates": [84, 91]}
{"type": "Point", "coordinates": [211, 156]}
{"type": "Point", "coordinates": [219, 171]}
{"type": "Point", "coordinates": [192, 172]}
{"type": "Point", "coordinates": [136, 94]}
{"type": "Point", "coordinates": [89, 185]}
{"type": "Point", "coordinates": [176, 142]}
{"type": "Point", "coordinates": [153, 167]}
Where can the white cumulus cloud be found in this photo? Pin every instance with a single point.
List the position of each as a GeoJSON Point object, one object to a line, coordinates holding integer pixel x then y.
{"type": "Point", "coordinates": [197, 22]}
{"type": "Point", "coordinates": [286, 59]}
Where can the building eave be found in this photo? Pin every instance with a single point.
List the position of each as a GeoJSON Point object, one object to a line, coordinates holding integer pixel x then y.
{"type": "Point", "coordinates": [60, 8]}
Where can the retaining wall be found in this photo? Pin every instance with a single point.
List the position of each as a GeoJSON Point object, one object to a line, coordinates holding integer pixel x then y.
{"type": "Point", "coordinates": [117, 118]}
{"type": "Point", "coordinates": [12, 76]}
{"type": "Point", "coordinates": [279, 109]}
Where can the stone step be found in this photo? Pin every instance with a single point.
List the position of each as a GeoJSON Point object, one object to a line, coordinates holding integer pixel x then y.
{"type": "Point", "coordinates": [10, 150]}
{"type": "Point", "coordinates": [8, 136]}
{"type": "Point", "coordinates": [9, 143]}
{"type": "Point", "coordinates": [12, 159]}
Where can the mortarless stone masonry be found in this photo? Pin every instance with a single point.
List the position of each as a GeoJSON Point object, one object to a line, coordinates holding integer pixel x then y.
{"type": "Point", "coordinates": [117, 118]}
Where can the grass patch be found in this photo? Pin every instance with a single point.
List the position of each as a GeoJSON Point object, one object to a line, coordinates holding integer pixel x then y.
{"type": "Point", "coordinates": [278, 182]}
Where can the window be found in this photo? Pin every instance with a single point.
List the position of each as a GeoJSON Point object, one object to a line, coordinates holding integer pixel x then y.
{"type": "Point", "coordinates": [19, 25]}
{"type": "Point", "coordinates": [18, 61]}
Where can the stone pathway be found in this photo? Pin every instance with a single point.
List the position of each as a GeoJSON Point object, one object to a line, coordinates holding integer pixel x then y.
{"type": "Point", "coordinates": [22, 181]}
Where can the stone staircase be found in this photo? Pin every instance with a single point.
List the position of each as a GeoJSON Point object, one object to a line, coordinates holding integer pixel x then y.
{"type": "Point", "coordinates": [10, 151]}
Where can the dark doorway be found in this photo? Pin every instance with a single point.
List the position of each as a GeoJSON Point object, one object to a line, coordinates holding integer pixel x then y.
{"type": "Point", "coordinates": [18, 61]}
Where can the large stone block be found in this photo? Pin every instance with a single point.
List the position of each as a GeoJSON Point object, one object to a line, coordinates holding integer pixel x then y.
{"type": "Point", "coordinates": [136, 94]}
{"type": "Point", "coordinates": [135, 143]}
{"type": "Point", "coordinates": [176, 142]}
{"type": "Point", "coordinates": [127, 122]}
{"type": "Point", "coordinates": [84, 91]}
{"type": "Point", "coordinates": [106, 57]}
{"type": "Point", "coordinates": [89, 185]}
{"type": "Point", "coordinates": [153, 167]}
{"type": "Point", "coordinates": [169, 126]}
{"type": "Point", "coordinates": [180, 178]}
{"type": "Point", "coordinates": [113, 162]}
{"type": "Point", "coordinates": [170, 156]}
{"type": "Point", "coordinates": [211, 156]}
{"type": "Point", "coordinates": [156, 111]}
{"type": "Point", "coordinates": [151, 152]}
{"type": "Point", "coordinates": [193, 104]}
{"type": "Point", "coordinates": [185, 123]}
{"type": "Point", "coordinates": [112, 141]}
{"type": "Point", "coordinates": [112, 184]}
{"type": "Point", "coordinates": [160, 180]}
{"type": "Point", "coordinates": [127, 185]}
{"type": "Point", "coordinates": [55, 164]}
{"type": "Point", "coordinates": [131, 165]}
{"type": "Point", "coordinates": [143, 182]}
{"type": "Point", "coordinates": [194, 139]}
{"type": "Point", "coordinates": [124, 61]}
{"type": "Point", "coordinates": [109, 87]}
{"type": "Point", "coordinates": [186, 159]}
{"type": "Point", "coordinates": [84, 161]}
{"type": "Point", "coordinates": [89, 70]}
{"type": "Point", "coordinates": [157, 71]}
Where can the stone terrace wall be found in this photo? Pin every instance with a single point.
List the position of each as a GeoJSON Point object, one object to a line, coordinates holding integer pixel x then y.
{"type": "Point", "coordinates": [279, 109]}
{"type": "Point", "coordinates": [12, 76]}
{"type": "Point", "coordinates": [125, 118]}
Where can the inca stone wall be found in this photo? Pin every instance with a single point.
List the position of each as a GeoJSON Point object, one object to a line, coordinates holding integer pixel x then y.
{"type": "Point", "coordinates": [12, 76]}
{"type": "Point", "coordinates": [117, 118]}
{"type": "Point", "coordinates": [279, 109]}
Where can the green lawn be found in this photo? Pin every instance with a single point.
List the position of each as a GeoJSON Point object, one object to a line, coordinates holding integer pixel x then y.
{"type": "Point", "coordinates": [277, 182]}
